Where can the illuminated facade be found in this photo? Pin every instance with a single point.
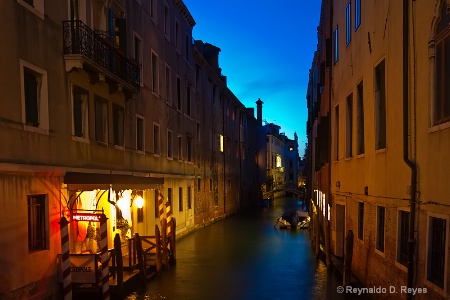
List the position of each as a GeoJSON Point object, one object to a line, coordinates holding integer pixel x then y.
{"type": "Point", "coordinates": [102, 113]}
{"type": "Point", "coordinates": [388, 139]}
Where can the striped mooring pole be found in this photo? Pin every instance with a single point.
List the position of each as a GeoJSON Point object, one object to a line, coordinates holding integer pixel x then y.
{"type": "Point", "coordinates": [169, 218]}
{"type": "Point", "coordinates": [104, 256]}
{"type": "Point", "coordinates": [65, 255]}
{"type": "Point", "coordinates": [161, 207]}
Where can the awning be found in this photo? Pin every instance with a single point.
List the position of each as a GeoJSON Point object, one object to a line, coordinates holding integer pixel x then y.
{"type": "Point", "coordinates": [92, 181]}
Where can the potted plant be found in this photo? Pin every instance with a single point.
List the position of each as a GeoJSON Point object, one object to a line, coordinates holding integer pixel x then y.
{"type": "Point", "coordinates": [123, 226]}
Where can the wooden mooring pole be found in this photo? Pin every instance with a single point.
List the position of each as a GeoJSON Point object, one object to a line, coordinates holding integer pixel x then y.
{"type": "Point", "coordinates": [173, 240]}
{"type": "Point", "coordinates": [158, 250]}
{"type": "Point", "coordinates": [327, 245]}
{"type": "Point", "coordinates": [140, 258]}
{"type": "Point", "coordinates": [119, 261]}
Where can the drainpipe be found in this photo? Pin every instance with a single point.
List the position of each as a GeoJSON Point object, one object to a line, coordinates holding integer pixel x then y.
{"type": "Point", "coordinates": [411, 164]}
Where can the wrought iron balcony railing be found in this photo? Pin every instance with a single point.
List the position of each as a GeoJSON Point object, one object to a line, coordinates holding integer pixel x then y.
{"type": "Point", "coordinates": [82, 40]}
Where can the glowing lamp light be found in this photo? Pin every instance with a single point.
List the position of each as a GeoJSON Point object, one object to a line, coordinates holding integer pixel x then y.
{"type": "Point", "coordinates": [139, 202]}
{"type": "Point", "coordinates": [123, 203]}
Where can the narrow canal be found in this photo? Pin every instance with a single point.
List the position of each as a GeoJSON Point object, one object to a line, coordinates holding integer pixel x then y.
{"type": "Point", "coordinates": [245, 257]}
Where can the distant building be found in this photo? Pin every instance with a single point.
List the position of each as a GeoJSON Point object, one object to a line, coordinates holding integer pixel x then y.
{"type": "Point", "coordinates": [282, 158]}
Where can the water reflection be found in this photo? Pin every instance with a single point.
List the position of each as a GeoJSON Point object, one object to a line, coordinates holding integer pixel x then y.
{"type": "Point", "coordinates": [245, 257]}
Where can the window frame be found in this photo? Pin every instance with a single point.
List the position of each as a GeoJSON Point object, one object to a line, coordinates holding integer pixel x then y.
{"type": "Point", "coordinates": [156, 139]}
{"type": "Point", "coordinates": [348, 23]}
{"type": "Point", "coordinates": [432, 255]}
{"type": "Point", "coordinates": [40, 229]}
{"type": "Point", "coordinates": [380, 98]}
{"type": "Point", "coordinates": [380, 238]}
{"type": "Point", "coordinates": [402, 237]}
{"type": "Point", "coordinates": [139, 117]}
{"type": "Point", "coordinates": [83, 113]}
{"type": "Point", "coordinates": [42, 125]}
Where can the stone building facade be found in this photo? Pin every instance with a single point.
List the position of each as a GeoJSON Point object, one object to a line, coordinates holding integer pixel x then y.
{"type": "Point", "coordinates": [106, 103]}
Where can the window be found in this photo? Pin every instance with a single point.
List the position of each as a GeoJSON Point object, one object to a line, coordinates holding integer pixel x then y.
{"type": "Point", "coordinates": [180, 199]}
{"type": "Point", "coordinates": [220, 143]}
{"type": "Point", "coordinates": [336, 133]}
{"type": "Point", "coordinates": [118, 123]}
{"type": "Point", "coordinates": [380, 106]}
{"type": "Point", "coordinates": [349, 127]}
{"type": "Point", "coordinates": [210, 184]}
{"type": "Point", "coordinates": [140, 133]}
{"type": "Point", "coordinates": [198, 133]}
{"type": "Point", "coordinates": [178, 93]}
{"type": "Point", "coordinates": [155, 78]}
{"type": "Point", "coordinates": [101, 120]}
{"type": "Point", "coordinates": [403, 236]}
{"type": "Point", "coordinates": [156, 148]}
{"type": "Point", "coordinates": [189, 204]}
{"type": "Point", "coordinates": [199, 184]}
{"type": "Point", "coordinates": [34, 96]}
{"type": "Point", "coordinates": [380, 227]}
{"type": "Point", "coordinates": [180, 157]}
{"type": "Point", "coordinates": [138, 55]}
{"type": "Point", "coordinates": [437, 233]}
{"type": "Point", "coordinates": [31, 85]}
{"type": "Point", "coordinates": [357, 14]}
{"type": "Point", "coordinates": [189, 148]}
{"type": "Point", "coordinates": [336, 44]}
{"type": "Point", "coordinates": [153, 9]}
{"type": "Point", "coordinates": [361, 220]}
{"type": "Point", "coordinates": [188, 98]}
{"type": "Point", "coordinates": [168, 85]}
{"type": "Point", "coordinates": [441, 111]}
{"type": "Point", "coordinates": [228, 184]}
{"type": "Point", "coordinates": [37, 223]}
{"type": "Point", "coordinates": [166, 22]}
{"type": "Point", "coordinates": [80, 112]}
{"type": "Point", "coordinates": [169, 144]}
{"type": "Point", "coordinates": [360, 118]}
{"type": "Point", "coordinates": [348, 23]}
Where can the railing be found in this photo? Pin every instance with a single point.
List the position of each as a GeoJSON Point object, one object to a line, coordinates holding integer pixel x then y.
{"type": "Point", "coordinates": [80, 39]}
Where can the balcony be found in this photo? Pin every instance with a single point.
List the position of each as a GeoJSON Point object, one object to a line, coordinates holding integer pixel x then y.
{"type": "Point", "coordinates": [84, 48]}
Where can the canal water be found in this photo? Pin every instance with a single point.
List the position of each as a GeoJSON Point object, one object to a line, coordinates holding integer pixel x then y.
{"type": "Point", "coordinates": [245, 257]}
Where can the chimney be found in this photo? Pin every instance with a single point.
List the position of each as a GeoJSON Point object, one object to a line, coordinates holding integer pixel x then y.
{"type": "Point", "coordinates": [259, 104]}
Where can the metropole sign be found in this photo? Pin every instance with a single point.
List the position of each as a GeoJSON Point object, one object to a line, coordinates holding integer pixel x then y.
{"type": "Point", "coordinates": [86, 217]}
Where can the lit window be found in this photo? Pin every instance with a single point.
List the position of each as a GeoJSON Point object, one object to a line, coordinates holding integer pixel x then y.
{"type": "Point", "coordinates": [336, 44]}
{"type": "Point", "coordinates": [221, 143]}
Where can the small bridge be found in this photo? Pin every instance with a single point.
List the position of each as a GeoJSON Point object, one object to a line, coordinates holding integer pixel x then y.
{"type": "Point", "coordinates": [278, 189]}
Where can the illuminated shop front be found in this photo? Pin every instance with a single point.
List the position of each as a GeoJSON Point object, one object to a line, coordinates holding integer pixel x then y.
{"type": "Point", "coordinates": [119, 197]}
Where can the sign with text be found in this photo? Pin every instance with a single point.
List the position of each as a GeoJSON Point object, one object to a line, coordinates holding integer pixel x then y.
{"type": "Point", "coordinates": [86, 217]}
{"type": "Point", "coordinates": [82, 268]}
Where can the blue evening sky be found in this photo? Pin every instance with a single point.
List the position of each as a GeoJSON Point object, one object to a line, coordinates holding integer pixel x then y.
{"type": "Point", "coordinates": [267, 49]}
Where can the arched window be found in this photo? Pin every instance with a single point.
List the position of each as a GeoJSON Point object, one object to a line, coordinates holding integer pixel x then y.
{"type": "Point", "coordinates": [441, 107]}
